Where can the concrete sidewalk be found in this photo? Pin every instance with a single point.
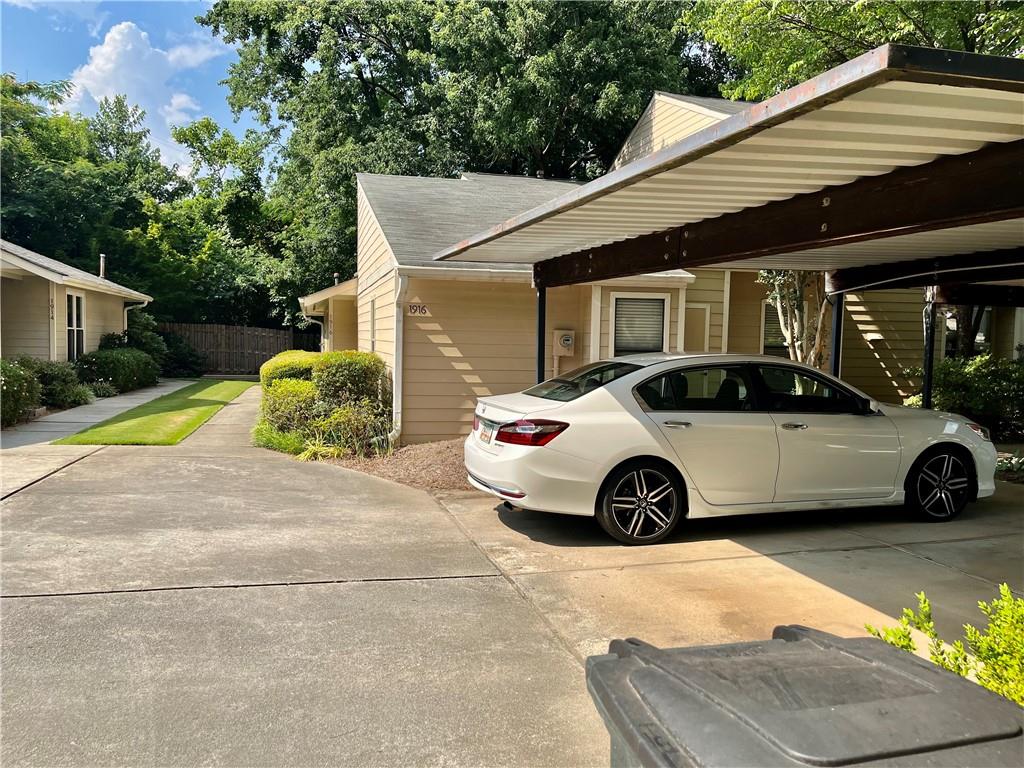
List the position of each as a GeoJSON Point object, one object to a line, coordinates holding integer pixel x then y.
{"type": "Point", "coordinates": [54, 426]}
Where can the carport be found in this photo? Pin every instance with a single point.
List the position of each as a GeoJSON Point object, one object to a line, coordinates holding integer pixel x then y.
{"type": "Point", "coordinates": [903, 167]}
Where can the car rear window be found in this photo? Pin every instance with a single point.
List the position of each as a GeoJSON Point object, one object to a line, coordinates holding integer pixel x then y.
{"type": "Point", "coordinates": [582, 380]}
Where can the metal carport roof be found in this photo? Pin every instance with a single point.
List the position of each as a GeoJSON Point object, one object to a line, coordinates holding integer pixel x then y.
{"type": "Point", "coordinates": [894, 107]}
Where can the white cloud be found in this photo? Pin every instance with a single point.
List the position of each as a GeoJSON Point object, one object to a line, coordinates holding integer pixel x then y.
{"type": "Point", "coordinates": [126, 62]}
{"type": "Point", "coordinates": [87, 12]}
{"type": "Point", "coordinates": [178, 109]}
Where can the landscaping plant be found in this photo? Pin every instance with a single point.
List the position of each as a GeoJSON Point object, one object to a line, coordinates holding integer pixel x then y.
{"type": "Point", "coordinates": [987, 389]}
{"type": "Point", "coordinates": [125, 369]}
{"type": "Point", "coordinates": [291, 364]}
{"type": "Point", "coordinates": [349, 377]}
{"type": "Point", "coordinates": [182, 360]}
{"type": "Point", "coordinates": [58, 381]}
{"type": "Point", "coordinates": [19, 391]}
{"type": "Point", "coordinates": [291, 405]}
{"type": "Point", "coordinates": [993, 656]}
{"type": "Point", "coordinates": [103, 389]}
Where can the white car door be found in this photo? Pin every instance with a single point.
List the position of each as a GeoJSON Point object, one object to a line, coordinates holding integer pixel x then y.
{"type": "Point", "coordinates": [726, 447]}
{"type": "Point", "coordinates": [829, 448]}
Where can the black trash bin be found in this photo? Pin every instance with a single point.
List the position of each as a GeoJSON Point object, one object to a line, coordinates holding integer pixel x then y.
{"type": "Point", "coordinates": [803, 698]}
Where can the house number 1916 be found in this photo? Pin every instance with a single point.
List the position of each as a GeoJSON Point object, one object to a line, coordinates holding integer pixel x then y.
{"type": "Point", "coordinates": [419, 309]}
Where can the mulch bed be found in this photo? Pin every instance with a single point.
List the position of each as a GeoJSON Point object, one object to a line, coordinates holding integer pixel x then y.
{"type": "Point", "coordinates": [430, 466]}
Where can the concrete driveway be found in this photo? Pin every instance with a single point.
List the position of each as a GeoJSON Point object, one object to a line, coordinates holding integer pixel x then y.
{"type": "Point", "coordinates": [216, 603]}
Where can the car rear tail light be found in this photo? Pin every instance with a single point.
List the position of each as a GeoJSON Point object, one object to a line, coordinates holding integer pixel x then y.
{"type": "Point", "coordinates": [530, 432]}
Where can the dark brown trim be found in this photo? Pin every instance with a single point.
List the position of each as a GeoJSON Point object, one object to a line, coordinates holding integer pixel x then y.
{"type": "Point", "coordinates": [981, 295]}
{"type": "Point", "coordinates": [1007, 264]}
{"type": "Point", "coordinates": [952, 191]}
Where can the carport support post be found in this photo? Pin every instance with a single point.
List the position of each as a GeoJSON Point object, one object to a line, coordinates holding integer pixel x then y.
{"type": "Point", "coordinates": [542, 322]}
{"type": "Point", "coordinates": [929, 347]}
{"type": "Point", "coordinates": [836, 342]}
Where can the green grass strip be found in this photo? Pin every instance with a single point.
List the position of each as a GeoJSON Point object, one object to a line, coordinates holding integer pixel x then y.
{"type": "Point", "coordinates": [165, 421]}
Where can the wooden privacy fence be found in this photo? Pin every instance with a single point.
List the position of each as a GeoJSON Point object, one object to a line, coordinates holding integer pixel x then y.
{"type": "Point", "coordinates": [239, 349]}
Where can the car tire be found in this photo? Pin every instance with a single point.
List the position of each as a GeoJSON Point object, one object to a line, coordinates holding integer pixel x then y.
{"type": "Point", "coordinates": [641, 502]}
{"type": "Point", "coordinates": [940, 485]}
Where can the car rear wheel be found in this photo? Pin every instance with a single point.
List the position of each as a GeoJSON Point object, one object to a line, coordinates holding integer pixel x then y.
{"type": "Point", "coordinates": [939, 487]}
{"type": "Point", "coordinates": [641, 504]}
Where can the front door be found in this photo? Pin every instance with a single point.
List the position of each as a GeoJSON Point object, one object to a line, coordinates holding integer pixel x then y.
{"type": "Point", "coordinates": [726, 446]}
{"type": "Point", "coordinates": [828, 447]}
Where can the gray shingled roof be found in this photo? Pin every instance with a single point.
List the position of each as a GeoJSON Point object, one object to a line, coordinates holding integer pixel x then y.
{"type": "Point", "coordinates": [93, 282]}
{"type": "Point", "coordinates": [725, 106]}
{"type": "Point", "coordinates": [421, 215]}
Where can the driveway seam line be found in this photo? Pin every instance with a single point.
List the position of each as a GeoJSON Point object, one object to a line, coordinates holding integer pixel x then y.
{"type": "Point", "coordinates": [52, 473]}
{"type": "Point", "coordinates": [188, 587]}
{"type": "Point", "coordinates": [902, 548]}
{"type": "Point", "coordinates": [516, 586]}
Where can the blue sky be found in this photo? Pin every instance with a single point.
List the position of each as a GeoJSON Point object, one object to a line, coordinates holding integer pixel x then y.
{"type": "Point", "coordinates": [153, 52]}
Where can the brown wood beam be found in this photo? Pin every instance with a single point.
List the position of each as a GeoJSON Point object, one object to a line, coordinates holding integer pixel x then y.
{"type": "Point", "coordinates": [976, 187]}
{"type": "Point", "coordinates": [1007, 264]}
{"type": "Point", "coordinates": [981, 295]}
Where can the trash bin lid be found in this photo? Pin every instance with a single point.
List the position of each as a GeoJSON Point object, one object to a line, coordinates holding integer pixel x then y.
{"type": "Point", "coordinates": [804, 697]}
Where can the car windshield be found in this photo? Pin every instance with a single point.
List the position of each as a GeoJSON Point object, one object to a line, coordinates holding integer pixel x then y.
{"type": "Point", "coordinates": [582, 380]}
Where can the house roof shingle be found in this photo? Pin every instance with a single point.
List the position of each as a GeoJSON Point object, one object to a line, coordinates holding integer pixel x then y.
{"type": "Point", "coordinates": [66, 273]}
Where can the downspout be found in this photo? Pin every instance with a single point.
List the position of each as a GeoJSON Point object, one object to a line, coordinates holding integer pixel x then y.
{"type": "Point", "coordinates": [129, 307]}
{"type": "Point", "coordinates": [396, 373]}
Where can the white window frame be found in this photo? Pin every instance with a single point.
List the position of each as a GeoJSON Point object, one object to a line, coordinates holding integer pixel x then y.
{"type": "Point", "coordinates": [70, 354]}
{"type": "Point", "coordinates": [615, 295]}
{"type": "Point", "coordinates": [707, 326]}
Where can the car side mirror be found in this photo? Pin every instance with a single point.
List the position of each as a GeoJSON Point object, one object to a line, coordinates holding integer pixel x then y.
{"type": "Point", "coordinates": [871, 406]}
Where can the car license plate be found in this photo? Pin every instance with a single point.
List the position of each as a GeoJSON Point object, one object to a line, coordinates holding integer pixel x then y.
{"type": "Point", "coordinates": [486, 433]}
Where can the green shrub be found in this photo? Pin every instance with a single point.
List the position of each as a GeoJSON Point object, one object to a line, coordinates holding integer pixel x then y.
{"type": "Point", "coordinates": [142, 335]}
{"type": "Point", "coordinates": [182, 361]}
{"type": "Point", "coordinates": [986, 389]}
{"type": "Point", "coordinates": [103, 389]}
{"type": "Point", "coordinates": [291, 404]}
{"type": "Point", "coordinates": [19, 391]}
{"type": "Point", "coordinates": [995, 656]}
{"type": "Point", "coordinates": [361, 428]}
{"type": "Point", "coordinates": [125, 369]}
{"type": "Point", "coordinates": [265, 436]}
{"type": "Point", "coordinates": [351, 377]}
{"type": "Point", "coordinates": [291, 364]}
{"type": "Point", "coordinates": [58, 381]}
{"type": "Point", "coordinates": [113, 341]}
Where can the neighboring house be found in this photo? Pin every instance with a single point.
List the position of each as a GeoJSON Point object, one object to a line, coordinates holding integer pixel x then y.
{"type": "Point", "coordinates": [53, 311]}
{"type": "Point", "coordinates": [453, 331]}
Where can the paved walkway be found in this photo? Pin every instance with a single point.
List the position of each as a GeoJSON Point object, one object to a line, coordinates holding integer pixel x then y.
{"type": "Point", "coordinates": [63, 423]}
{"type": "Point", "coordinates": [212, 602]}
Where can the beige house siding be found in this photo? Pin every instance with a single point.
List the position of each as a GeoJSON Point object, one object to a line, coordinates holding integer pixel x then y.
{"type": "Point", "coordinates": [664, 122]}
{"type": "Point", "coordinates": [104, 313]}
{"type": "Point", "coordinates": [883, 335]}
{"type": "Point", "coordinates": [477, 339]}
{"type": "Point", "coordinates": [375, 305]}
{"type": "Point", "coordinates": [746, 302]}
{"type": "Point", "coordinates": [1005, 331]}
{"type": "Point", "coordinates": [342, 324]}
{"type": "Point", "coordinates": [25, 317]}
{"type": "Point", "coordinates": [709, 288]}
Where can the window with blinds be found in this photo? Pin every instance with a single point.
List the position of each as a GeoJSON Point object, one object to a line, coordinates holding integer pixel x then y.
{"type": "Point", "coordinates": [773, 340]}
{"type": "Point", "coordinates": [639, 325]}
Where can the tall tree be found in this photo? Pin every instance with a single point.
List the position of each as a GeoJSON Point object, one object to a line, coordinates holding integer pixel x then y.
{"type": "Point", "coordinates": [428, 88]}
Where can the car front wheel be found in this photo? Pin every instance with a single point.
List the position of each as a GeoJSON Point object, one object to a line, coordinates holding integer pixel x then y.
{"type": "Point", "coordinates": [641, 504]}
{"type": "Point", "coordinates": [940, 486]}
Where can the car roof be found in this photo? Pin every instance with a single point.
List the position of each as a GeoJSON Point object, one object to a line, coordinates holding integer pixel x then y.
{"type": "Point", "coordinates": [654, 358]}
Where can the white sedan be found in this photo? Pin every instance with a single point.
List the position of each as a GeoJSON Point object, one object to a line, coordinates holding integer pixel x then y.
{"type": "Point", "coordinates": [641, 442]}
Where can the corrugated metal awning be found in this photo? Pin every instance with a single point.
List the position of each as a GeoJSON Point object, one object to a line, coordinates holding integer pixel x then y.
{"type": "Point", "coordinates": [893, 107]}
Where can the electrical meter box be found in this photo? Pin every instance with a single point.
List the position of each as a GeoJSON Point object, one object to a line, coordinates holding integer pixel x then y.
{"type": "Point", "coordinates": [564, 343]}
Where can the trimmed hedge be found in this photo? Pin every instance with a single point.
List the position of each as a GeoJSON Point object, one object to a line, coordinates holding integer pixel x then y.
{"type": "Point", "coordinates": [291, 364]}
{"type": "Point", "coordinates": [348, 377]}
{"type": "Point", "coordinates": [291, 404]}
{"type": "Point", "coordinates": [59, 382]}
{"type": "Point", "coordinates": [126, 369]}
{"type": "Point", "coordinates": [360, 428]}
{"type": "Point", "coordinates": [19, 391]}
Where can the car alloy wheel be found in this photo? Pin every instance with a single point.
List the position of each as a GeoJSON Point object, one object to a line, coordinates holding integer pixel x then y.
{"type": "Point", "coordinates": [641, 506]}
{"type": "Point", "coordinates": [943, 486]}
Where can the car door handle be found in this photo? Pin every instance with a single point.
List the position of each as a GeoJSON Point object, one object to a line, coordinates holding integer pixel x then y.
{"type": "Point", "coordinates": [794, 425]}
{"type": "Point", "coordinates": [678, 424]}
